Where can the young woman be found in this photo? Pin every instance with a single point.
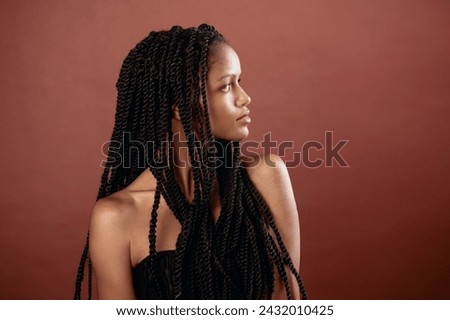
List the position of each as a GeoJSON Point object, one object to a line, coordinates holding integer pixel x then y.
{"type": "Point", "coordinates": [180, 214]}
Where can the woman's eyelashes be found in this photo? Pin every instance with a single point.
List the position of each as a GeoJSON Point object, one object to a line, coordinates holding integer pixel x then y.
{"type": "Point", "coordinates": [228, 86]}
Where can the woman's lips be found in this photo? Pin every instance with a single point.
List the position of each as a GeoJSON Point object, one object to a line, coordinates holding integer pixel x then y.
{"type": "Point", "coordinates": [245, 118]}
{"type": "Point", "coordinates": [246, 113]}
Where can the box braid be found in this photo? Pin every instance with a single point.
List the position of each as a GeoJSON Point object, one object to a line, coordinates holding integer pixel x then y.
{"type": "Point", "coordinates": [234, 258]}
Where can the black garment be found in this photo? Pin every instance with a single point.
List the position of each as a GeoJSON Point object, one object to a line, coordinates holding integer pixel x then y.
{"type": "Point", "coordinates": [159, 287]}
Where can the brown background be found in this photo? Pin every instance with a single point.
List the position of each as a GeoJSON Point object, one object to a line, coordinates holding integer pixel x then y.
{"type": "Point", "coordinates": [375, 73]}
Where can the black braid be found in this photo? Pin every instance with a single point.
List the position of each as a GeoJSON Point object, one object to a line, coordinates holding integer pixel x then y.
{"type": "Point", "coordinates": [234, 258]}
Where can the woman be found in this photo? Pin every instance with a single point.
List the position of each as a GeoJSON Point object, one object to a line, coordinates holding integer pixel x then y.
{"type": "Point", "coordinates": [180, 215]}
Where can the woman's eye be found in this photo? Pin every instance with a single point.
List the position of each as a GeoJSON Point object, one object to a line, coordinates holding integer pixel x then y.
{"type": "Point", "coordinates": [227, 88]}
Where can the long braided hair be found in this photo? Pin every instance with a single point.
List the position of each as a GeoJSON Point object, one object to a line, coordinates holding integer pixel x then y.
{"type": "Point", "coordinates": [234, 258]}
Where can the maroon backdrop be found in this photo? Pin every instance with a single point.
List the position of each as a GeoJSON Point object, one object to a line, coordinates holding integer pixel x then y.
{"type": "Point", "coordinates": [375, 73]}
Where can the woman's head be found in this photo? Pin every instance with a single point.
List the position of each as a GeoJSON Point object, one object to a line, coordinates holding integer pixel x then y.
{"type": "Point", "coordinates": [180, 75]}
{"type": "Point", "coordinates": [181, 81]}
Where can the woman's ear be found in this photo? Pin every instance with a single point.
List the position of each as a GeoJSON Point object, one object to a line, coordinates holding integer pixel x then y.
{"type": "Point", "coordinates": [175, 113]}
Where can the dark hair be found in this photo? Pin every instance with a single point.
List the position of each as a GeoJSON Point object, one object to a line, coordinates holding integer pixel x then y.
{"type": "Point", "coordinates": [234, 258]}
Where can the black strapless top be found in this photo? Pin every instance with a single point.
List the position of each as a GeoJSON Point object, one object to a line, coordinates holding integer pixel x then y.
{"type": "Point", "coordinates": [160, 286]}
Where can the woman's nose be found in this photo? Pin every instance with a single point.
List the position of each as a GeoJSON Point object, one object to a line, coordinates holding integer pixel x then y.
{"type": "Point", "coordinates": [243, 99]}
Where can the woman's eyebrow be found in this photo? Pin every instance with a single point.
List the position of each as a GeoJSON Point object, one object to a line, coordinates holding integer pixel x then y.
{"type": "Point", "coordinates": [227, 76]}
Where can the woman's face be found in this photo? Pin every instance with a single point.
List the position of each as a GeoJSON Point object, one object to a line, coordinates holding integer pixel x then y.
{"type": "Point", "coordinates": [227, 100]}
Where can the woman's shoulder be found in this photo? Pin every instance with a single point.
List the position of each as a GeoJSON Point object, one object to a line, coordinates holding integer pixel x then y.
{"type": "Point", "coordinates": [270, 176]}
{"type": "Point", "coordinates": [111, 212]}
{"type": "Point", "coordinates": [109, 247]}
{"type": "Point", "coordinates": [265, 167]}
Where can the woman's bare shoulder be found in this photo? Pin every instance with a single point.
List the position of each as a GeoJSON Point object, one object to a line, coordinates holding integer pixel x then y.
{"type": "Point", "coordinates": [111, 209]}
{"type": "Point", "coordinates": [271, 178]}
{"type": "Point", "coordinates": [257, 160]}
{"type": "Point", "coordinates": [266, 170]}
{"type": "Point", "coordinates": [111, 217]}
{"type": "Point", "coordinates": [109, 246]}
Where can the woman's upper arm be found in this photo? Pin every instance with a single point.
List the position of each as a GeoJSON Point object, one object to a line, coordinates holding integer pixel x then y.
{"type": "Point", "coordinates": [271, 178]}
{"type": "Point", "coordinates": [109, 251]}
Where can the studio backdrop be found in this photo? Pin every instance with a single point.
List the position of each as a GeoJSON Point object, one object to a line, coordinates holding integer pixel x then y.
{"type": "Point", "coordinates": [353, 94]}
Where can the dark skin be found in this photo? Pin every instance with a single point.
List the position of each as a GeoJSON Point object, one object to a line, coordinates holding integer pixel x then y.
{"type": "Point", "coordinates": [119, 222]}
